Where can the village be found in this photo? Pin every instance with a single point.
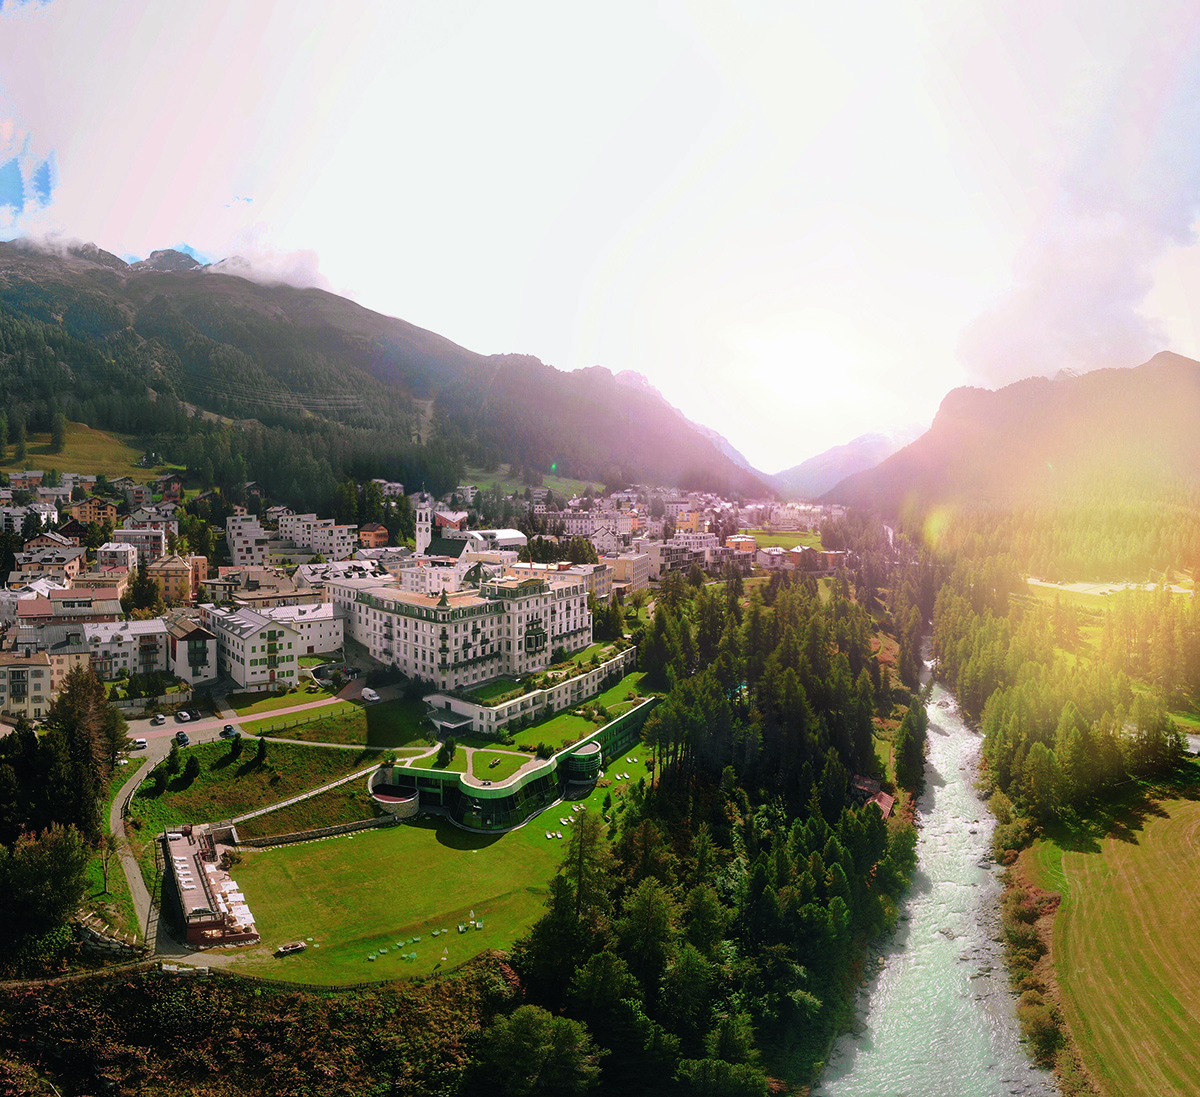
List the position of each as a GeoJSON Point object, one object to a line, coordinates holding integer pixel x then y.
{"type": "Point", "coordinates": [101, 575]}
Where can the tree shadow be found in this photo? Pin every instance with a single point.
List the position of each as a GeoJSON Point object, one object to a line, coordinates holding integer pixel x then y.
{"type": "Point", "coordinates": [452, 837]}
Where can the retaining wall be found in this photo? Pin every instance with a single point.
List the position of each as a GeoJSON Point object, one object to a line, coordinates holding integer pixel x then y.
{"type": "Point", "coordinates": [319, 832]}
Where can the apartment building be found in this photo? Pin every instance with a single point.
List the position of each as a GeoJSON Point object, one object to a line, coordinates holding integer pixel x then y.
{"type": "Point", "coordinates": [150, 543]}
{"type": "Point", "coordinates": [319, 535]}
{"type": "Point", "coordinates": [254, 651]}
{"type": "Point", "coordinates": [319, 626]}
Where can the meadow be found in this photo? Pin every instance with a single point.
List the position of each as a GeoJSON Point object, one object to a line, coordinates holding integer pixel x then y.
{"type": "Point", "coordinates": [94, 452]}
{"type": "Point", "coordinates": [1129, 980]}
{"type": "Point", "coordinates": [509, 483]}
{"type": "Point", "coordinates": [375, 890]}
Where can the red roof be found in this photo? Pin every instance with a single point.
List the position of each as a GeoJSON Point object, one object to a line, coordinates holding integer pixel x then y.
{"type": "Point", "coordinates": [884, 801]}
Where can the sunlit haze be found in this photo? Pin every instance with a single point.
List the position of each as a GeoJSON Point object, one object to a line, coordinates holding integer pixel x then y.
{"type": "Point", "coordinates": [801, 222]}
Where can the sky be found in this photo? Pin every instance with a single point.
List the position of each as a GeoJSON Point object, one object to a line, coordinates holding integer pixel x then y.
{"type": "Point", "coordinates": [801, 222]}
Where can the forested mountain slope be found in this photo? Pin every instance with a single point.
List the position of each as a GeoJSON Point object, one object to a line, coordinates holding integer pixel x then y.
{"type": "Point", "coordinates": [85, 333]}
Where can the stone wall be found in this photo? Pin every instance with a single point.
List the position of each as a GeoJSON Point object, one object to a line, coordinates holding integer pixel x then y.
{"type": "Point", "coordinates": [99, 937]}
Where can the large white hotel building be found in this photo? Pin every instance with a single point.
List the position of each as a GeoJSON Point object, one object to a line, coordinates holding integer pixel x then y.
{"type": "Point", "coordinates": [457, 639]}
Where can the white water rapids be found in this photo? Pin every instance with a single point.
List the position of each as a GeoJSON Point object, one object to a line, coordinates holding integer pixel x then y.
{"type": "Point", "coordinates": [937, 1018]}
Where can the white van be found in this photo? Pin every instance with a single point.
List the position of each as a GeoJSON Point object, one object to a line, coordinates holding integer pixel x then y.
{"type": "Point", "coordinates": [139, 744]}
{"type": "Point", "coordinates": [369, 695]}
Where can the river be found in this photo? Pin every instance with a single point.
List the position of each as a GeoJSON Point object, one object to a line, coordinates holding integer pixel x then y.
{"type": "Point", "coordinates": [937, 1017]}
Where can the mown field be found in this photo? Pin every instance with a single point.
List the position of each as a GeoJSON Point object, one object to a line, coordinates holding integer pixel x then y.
{"type": "Point", "coordinates": [1122, 951]}
{"type": "Point", "coordinates": [784, 538]}
{"type": "Point", "coordinates": [378, 889]}
{"type": "Point", "coordinates": [93, 452]}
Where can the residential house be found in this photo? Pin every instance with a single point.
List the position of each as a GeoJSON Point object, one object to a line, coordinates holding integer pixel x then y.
{"type": "Point", "coordinates": [136, 647]}
{"type": "Point", "coordinates": [372, 535]}
{"type": "Point", "coordinates": [150, 543]}
{"type": "Point", "coordinates": [320, 627]}
{"type": "Point", "coordinates": [25, 684]}
{"type": "Point", "coordinates": [55, 560]}
{"type": "Point", "coordinates": [191, 648]}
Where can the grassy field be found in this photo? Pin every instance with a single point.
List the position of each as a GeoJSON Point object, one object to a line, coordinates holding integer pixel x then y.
{"type": "Point", "coordinates": [784, 539]}
{"type": "Point", "coordinates": [508, 483]}
{"type": "Point", "coordinates": [1129, 978]}
{"type": "Point", "coordinates": [397, 723]}
{"type": "Point", "coordinates": [379, 889]}
{"type": "Point", "coordinates": [254, 704]}
{"type": "Point", "coordinates": [93, 452]}
{"type": "Point", "coordinates": [347, 803]}
{"type": "Point", "coordinates": [457, 764]}
{"type": "Point", "coordinates": [226, 788]}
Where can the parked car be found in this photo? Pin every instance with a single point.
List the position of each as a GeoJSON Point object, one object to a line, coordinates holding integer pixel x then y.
{"type": "Point", "coordinates": [159, 718]}
{"type": "Point", "coordinates": [369, 696]}
{"type": "Point", "coordinates": [139, 744]}
{"type": "Point", "coordinates": [195, 714]}
{"type": "Point", "coordinates": [230, 732]}
{"type": "Point", "coordinates": [181, 737]}
{"type": "Point", "coordinates": [182, 717]}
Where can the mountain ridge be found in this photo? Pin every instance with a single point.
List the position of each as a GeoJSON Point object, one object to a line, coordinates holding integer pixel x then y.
{"type": "Point", "coordinates": [285, 355]}
{"type": "Point", "coordinates": [1046, 440]}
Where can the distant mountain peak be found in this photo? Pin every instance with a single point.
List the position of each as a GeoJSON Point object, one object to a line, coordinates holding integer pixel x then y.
{"type": "Point", "coordinates": [168, 260]}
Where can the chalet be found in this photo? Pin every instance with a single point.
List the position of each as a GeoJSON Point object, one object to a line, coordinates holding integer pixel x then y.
{"type": "Point", "coordinates": [48, 539]}
{"type": "Point", "coordinates": [191, 648]}
{"type": "Point", "coordinates": [74, 531]}
{"type": "Point", "coordinates": [29, 480]}
{"type": "Point", "coordinates": [170, 487]}
{"type": "Point", "coordinates": [53, 560]}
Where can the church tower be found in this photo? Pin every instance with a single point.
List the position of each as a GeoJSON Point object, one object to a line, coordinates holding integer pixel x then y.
{"type": "Point", "coordinates": [424, 523]}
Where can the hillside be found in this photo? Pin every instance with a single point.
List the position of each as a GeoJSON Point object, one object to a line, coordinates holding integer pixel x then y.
{"type": "Point", "coordinates": [812, 478]}
{"type": "Point", "coordinates": [1048, 441]}
{"type": "Point", "coordinates": [81, 328]}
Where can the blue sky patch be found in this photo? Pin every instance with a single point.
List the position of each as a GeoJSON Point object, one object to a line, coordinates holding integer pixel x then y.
{"type": "Point", "coordinates": [12, 187]}
{"type": "Point", "coordinates": [42, 182]}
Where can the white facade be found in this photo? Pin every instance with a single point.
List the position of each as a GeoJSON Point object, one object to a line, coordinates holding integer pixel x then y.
{"type": "Point", "coordinates": [320, 627]}
{"type": "Point", "coordinates": [248, 542]}
{"type": "Point", "coordinates": [117, 554]}
{"type": "Point", "coordinates": [139, 647]}
{"type": "Point", "coordinates": [321, 535]}
{"type": "Point", "coordinates": [457, 640]}
{"type": "Point", "coordinates": [664, 556]}
{"type": "Point", "coordinates": [150, 543]}
{"type": "Point", "coordinates": [255, 651]}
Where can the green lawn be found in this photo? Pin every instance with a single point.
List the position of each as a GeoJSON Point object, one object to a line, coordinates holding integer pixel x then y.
{"type": "Point", "coordinates": [490, 690]}
{"type": "Point", "coordinates": [357, 894]}
{"type": "Point", "coordinates": [507, 763]}
{"type": "Point", "coordinates": [584, 656]}
{"type": "Point", "coordinates": [347, 803]}
{"type": "Point", "coordinates": [1129, 981]}
{"type": "Point", "coordinates": [398, 723]}
{"type": "Point", "coordinates": [558, 730]}
{"type": "Point", "coordinates": [379, 889]}
{"type": "Point", "coordinates": [226, 788]}
{"type": "Point", "coordinates": [784, 539]}
{"type": "Point", "coordinates": [457, 764]}
{"type": "Point", "coordinates": [253, 704]}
